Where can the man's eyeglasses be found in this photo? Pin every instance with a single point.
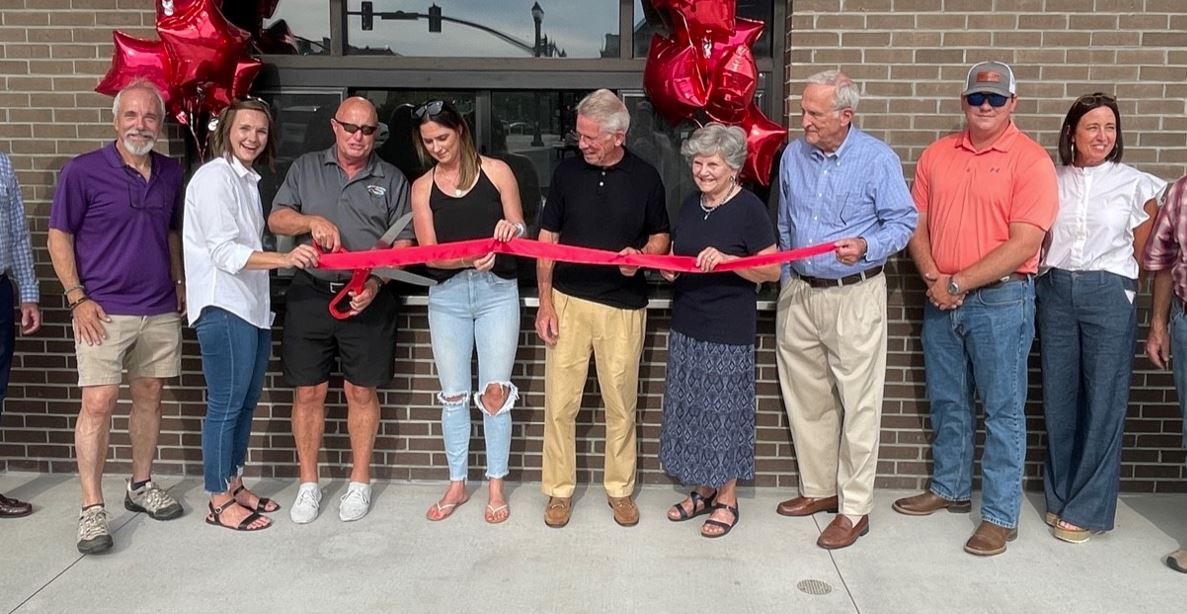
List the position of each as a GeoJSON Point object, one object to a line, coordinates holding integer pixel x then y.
{"type": "Point", "coordinates": [1092, 100]}
{"type": "Point", "coordinates": [353, 128]}
{"type": "Point", "coordinates": [429, 108]}
{"type": "Point", "coordinates": [996, 101]}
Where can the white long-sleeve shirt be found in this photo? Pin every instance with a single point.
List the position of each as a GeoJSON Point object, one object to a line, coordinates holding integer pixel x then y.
{"type": "Point", "coordinates": [224, 225]}
{"type": "Point", "coordinates": [1099, 208]}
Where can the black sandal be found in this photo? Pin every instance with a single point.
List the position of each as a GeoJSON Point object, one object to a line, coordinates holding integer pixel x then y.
{"type": "Point", "coordinates": [244, 525]}
{"type": "Point", "coordinates": [700, 505]}
{"type": "Point", "coordinates": [263, 506]}
{"type": "Point", "coordinates": [726, 528]}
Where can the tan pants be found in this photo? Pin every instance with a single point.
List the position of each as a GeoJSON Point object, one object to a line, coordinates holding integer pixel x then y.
{"type": "Point", "coordinates": [832, 366]}
{"type": "Point", "coordinates": [615, 337]}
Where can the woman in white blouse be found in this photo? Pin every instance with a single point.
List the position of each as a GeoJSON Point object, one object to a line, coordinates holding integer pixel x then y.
{"type": "Point", "coordinates": [229, 306]}
{"type": "Point", "coordinates": [1086, 316]}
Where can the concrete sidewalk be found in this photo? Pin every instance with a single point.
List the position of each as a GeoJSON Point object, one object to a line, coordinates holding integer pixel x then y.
{"type": "Point", "coordinates": [396, 561]}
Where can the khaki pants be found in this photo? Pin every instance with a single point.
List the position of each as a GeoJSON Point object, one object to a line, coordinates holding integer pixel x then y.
{"type": "Point", "coordinates": [615, 338]}
{"type": "Point", "coordinates": [144, 346]}
{"type": "Point", "coordinates": [831, 354]}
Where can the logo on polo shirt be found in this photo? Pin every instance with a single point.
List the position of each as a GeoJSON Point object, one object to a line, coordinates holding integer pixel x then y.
{"type": "Point", "coordinates": [377, 190]}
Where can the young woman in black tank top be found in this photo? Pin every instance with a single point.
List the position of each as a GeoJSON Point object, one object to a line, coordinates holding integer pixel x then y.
{"type": "Point", "coordinates": [476, 300]}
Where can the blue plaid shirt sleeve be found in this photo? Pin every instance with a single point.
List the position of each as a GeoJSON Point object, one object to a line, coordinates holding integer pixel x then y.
{"type": "Point", "coordinates": [17, 254]}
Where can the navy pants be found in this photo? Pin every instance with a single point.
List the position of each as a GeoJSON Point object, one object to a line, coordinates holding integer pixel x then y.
{"type": "Point", "coordinates": [7, 336]}
{"type": "Point", "coordinates": [1087, 325]}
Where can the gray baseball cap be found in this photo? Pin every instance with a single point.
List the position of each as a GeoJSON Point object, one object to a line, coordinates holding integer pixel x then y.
{"type": "Point", "coordinates": [990, 78]}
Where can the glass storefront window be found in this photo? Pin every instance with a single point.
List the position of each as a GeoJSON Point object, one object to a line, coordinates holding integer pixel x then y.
{"type": "Point", "coordinates": [309, 22]}
{"type": "Point", "coordinates": [761, 10]}
{"type": "Point", "coordinates": [481, 28]}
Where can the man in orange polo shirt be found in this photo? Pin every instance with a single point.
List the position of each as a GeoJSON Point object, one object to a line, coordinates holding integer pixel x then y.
{"type": "Point", "coordinates": [986, 197]}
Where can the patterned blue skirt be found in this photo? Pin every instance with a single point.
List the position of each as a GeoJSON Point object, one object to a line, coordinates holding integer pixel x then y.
{"type": "Point", "coordinates": [708, 430]}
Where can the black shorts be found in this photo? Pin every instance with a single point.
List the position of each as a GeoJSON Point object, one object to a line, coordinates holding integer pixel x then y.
{"type": "Point", "coordinates": [365, 344]}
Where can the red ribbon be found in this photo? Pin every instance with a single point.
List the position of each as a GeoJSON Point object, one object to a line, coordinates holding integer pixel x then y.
{"type": "Point", "coordinates": [549, 251]}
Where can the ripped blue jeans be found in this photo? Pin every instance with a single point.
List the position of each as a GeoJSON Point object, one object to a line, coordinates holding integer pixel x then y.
{"type": "Point", "coordinates": [475, 309]}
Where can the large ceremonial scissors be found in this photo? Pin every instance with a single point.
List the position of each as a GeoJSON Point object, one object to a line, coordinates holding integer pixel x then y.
{"type": "Point", "coordinates": [340, 304]}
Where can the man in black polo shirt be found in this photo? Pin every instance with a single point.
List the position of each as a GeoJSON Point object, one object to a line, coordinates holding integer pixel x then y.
{"type": "Point", "coordinates": [613, 200]}
{"type": "Point", "coordinates": [342, 196]}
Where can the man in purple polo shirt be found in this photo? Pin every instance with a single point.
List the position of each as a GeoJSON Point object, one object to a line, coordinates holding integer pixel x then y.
{"type": "Point", "coordinates": [115, 245]}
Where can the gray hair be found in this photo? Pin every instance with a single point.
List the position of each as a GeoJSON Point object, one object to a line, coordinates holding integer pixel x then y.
{"type": "Point", "coordinates": [846, 95]}
{"type": "Point", "coordinates": [139, 84]}
{"type": "Point", "coordinates": [605, 108]}
{"type": "Point", "coordinates": [717, 139]}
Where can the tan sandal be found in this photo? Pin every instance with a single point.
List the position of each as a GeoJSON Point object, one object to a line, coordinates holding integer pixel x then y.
{"type": "Point", "coordinates": [492, 513]}
{"type": "Point", "coordinates": [443, 511]}
{"type": "Point", "coordinates": [1074, 535]}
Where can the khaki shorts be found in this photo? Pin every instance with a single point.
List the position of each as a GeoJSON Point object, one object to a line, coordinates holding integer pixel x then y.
{"type": "Point", "coordinates": [146, 346]}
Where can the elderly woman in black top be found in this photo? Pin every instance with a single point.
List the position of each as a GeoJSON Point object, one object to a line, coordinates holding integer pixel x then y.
{"type": "Point", "coordinates": [708, 426]}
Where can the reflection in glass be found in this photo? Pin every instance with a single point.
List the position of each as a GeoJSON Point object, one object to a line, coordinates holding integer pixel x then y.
{"type": "Point", "coordinates": [395, 109]}
{"type": "Point", "coordinates": [309, 21]}
{"type": "Point", "coordinates": [482, 28]}
{"type": "Point", "coordinates": [302, 124]}
{"type": "Point", "coordinates": [761, 10]}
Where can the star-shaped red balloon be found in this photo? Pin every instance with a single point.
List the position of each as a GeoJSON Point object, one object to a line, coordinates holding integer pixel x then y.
{"type": "Point", "coordinates": [203, 44]}
{"type": "Point", "coordinates": [763, 139]}
{"type": "Point", "coordinates": [705, 18]}
{"type": "Point", "coordinates": [134, 59]}
{"type": "Point", "coordinates": [673, 79]}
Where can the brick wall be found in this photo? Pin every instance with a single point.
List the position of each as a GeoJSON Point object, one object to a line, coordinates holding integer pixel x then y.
{"type": "Point", "coordinates": [909, 54]}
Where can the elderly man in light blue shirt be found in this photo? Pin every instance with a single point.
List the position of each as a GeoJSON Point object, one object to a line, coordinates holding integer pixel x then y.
{"type": "Point", "coordinates": [840, 185]}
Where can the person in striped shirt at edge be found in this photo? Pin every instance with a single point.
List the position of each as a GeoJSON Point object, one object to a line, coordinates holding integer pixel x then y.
{"type": "Point", "coordinates": [16, 257]}
{"type": "Point", "coordinates": [1165, 255]}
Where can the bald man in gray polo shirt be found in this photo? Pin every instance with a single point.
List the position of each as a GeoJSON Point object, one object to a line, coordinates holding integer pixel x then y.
{"type": "Point", "coordinates": [344, 196]}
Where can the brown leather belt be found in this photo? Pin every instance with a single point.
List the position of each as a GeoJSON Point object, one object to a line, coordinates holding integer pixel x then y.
{"type": "Point", "coordinates": [848, 280]}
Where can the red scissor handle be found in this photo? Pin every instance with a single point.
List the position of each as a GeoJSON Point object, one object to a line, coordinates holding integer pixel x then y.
{"type": "Point", "coordinates": [340, 304]}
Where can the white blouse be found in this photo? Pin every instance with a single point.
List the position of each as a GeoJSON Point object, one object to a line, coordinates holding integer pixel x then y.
{"type": "Point", "coordinates": [223, 226]}
{"type": "Point", "coordinates": [1099, 208]}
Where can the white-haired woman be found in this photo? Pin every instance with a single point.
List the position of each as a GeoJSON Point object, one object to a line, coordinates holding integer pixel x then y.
{"type": "Point", "coordinates": [708, 427]}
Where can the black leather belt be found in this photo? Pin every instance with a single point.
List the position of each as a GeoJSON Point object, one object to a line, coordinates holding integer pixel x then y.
{"type": "Point", "coordinates": [1007, 279]}
{"type": "Point", "coordinates": [848, 280]}
{"type": "Point", "coordinates": [333, 287]}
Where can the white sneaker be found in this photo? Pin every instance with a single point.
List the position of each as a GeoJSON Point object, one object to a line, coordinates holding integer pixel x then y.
{"type": "Point", "coordinates": [355, 503]}
{"type": "Point", "coordinates": [305, 508]}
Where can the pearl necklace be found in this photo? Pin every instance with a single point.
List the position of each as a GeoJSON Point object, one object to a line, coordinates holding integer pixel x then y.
{"type": "Point", "coordinates": [709, 210]}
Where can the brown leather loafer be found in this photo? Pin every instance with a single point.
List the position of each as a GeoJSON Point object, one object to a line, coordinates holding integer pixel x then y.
{"type": "Point", "coordinates": [12, 508]}
{"type": "Point", "coordinates": [558, 511]}
{"type": "Point", "coordinates": [625, 512]}
{"type": "Point", "coordinates": [806, 506]}
{"type": "Point", "coordinates": [842, 533]}
{"type": "Point", "coordinates": [1177, 560]}
{"type": "Point", "coordinates": [929, 503]}
{"type": "Point", "coordinates": [989, 539]}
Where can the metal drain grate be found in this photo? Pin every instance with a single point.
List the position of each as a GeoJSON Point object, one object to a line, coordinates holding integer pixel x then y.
{"type": "Point", "coordinates": [814, 587]}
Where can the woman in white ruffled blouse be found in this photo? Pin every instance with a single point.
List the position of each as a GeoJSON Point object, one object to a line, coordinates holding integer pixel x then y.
{"type": "Point", "coordinates": [1086, 316]}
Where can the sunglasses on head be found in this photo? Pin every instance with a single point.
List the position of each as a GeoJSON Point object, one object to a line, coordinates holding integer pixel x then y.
{"type": "Point", "coordinates": [429, 108]}
{"type": "Point", "coordinates": [353, 128]}
{"type": "Point", "coordinates": [977, 99]}
{"type": "Point", "coordinates": [1098, 98]}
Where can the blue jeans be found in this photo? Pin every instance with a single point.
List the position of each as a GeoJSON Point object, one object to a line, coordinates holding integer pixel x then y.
{"type": "Point", "coordinates": [980, 347]}
{"type": "Point", "coordinates": [1178, 330]}
{"type": "Point", "coordinates": [234, 361]}
{"type": "Point", "coordinates": [1087, 329]}
{"type": "Point", "coordinates": [475, 308]}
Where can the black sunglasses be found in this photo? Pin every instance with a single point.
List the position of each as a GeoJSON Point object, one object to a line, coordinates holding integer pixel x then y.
{"type": "Point", "coordinates": [429, 108]}
{"type": "Point", "coordinates": [353, 128]}
{"type": "Point", "coordinates": [996, 101]}
{"type": "Point", "coordinates": [1090, 100]}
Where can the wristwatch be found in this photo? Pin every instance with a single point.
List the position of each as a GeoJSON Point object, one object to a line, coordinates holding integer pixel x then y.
{"type": "Point", "coordinates": [953, 287]}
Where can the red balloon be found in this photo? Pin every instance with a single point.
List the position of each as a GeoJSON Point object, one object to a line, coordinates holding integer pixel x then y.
{"type": "Point", "coordinates": [733, 86]}
{"type": "Point", "coordinates": [277, 38]}
{"type": "Point", "coordinates": [215, 96]}
{"type": "Point", "coordinates": [673, 80]}
{"type": "Point", "coordinates": [705, 18]}
{"type": "Point", "coordinates": [763, 139]}
{"type": "Point", "coordinates": [203, 44]}
{"type": "Point", "coordinates": [746, 33]}
{"type": "Point", "coordinates": [137, 59]}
